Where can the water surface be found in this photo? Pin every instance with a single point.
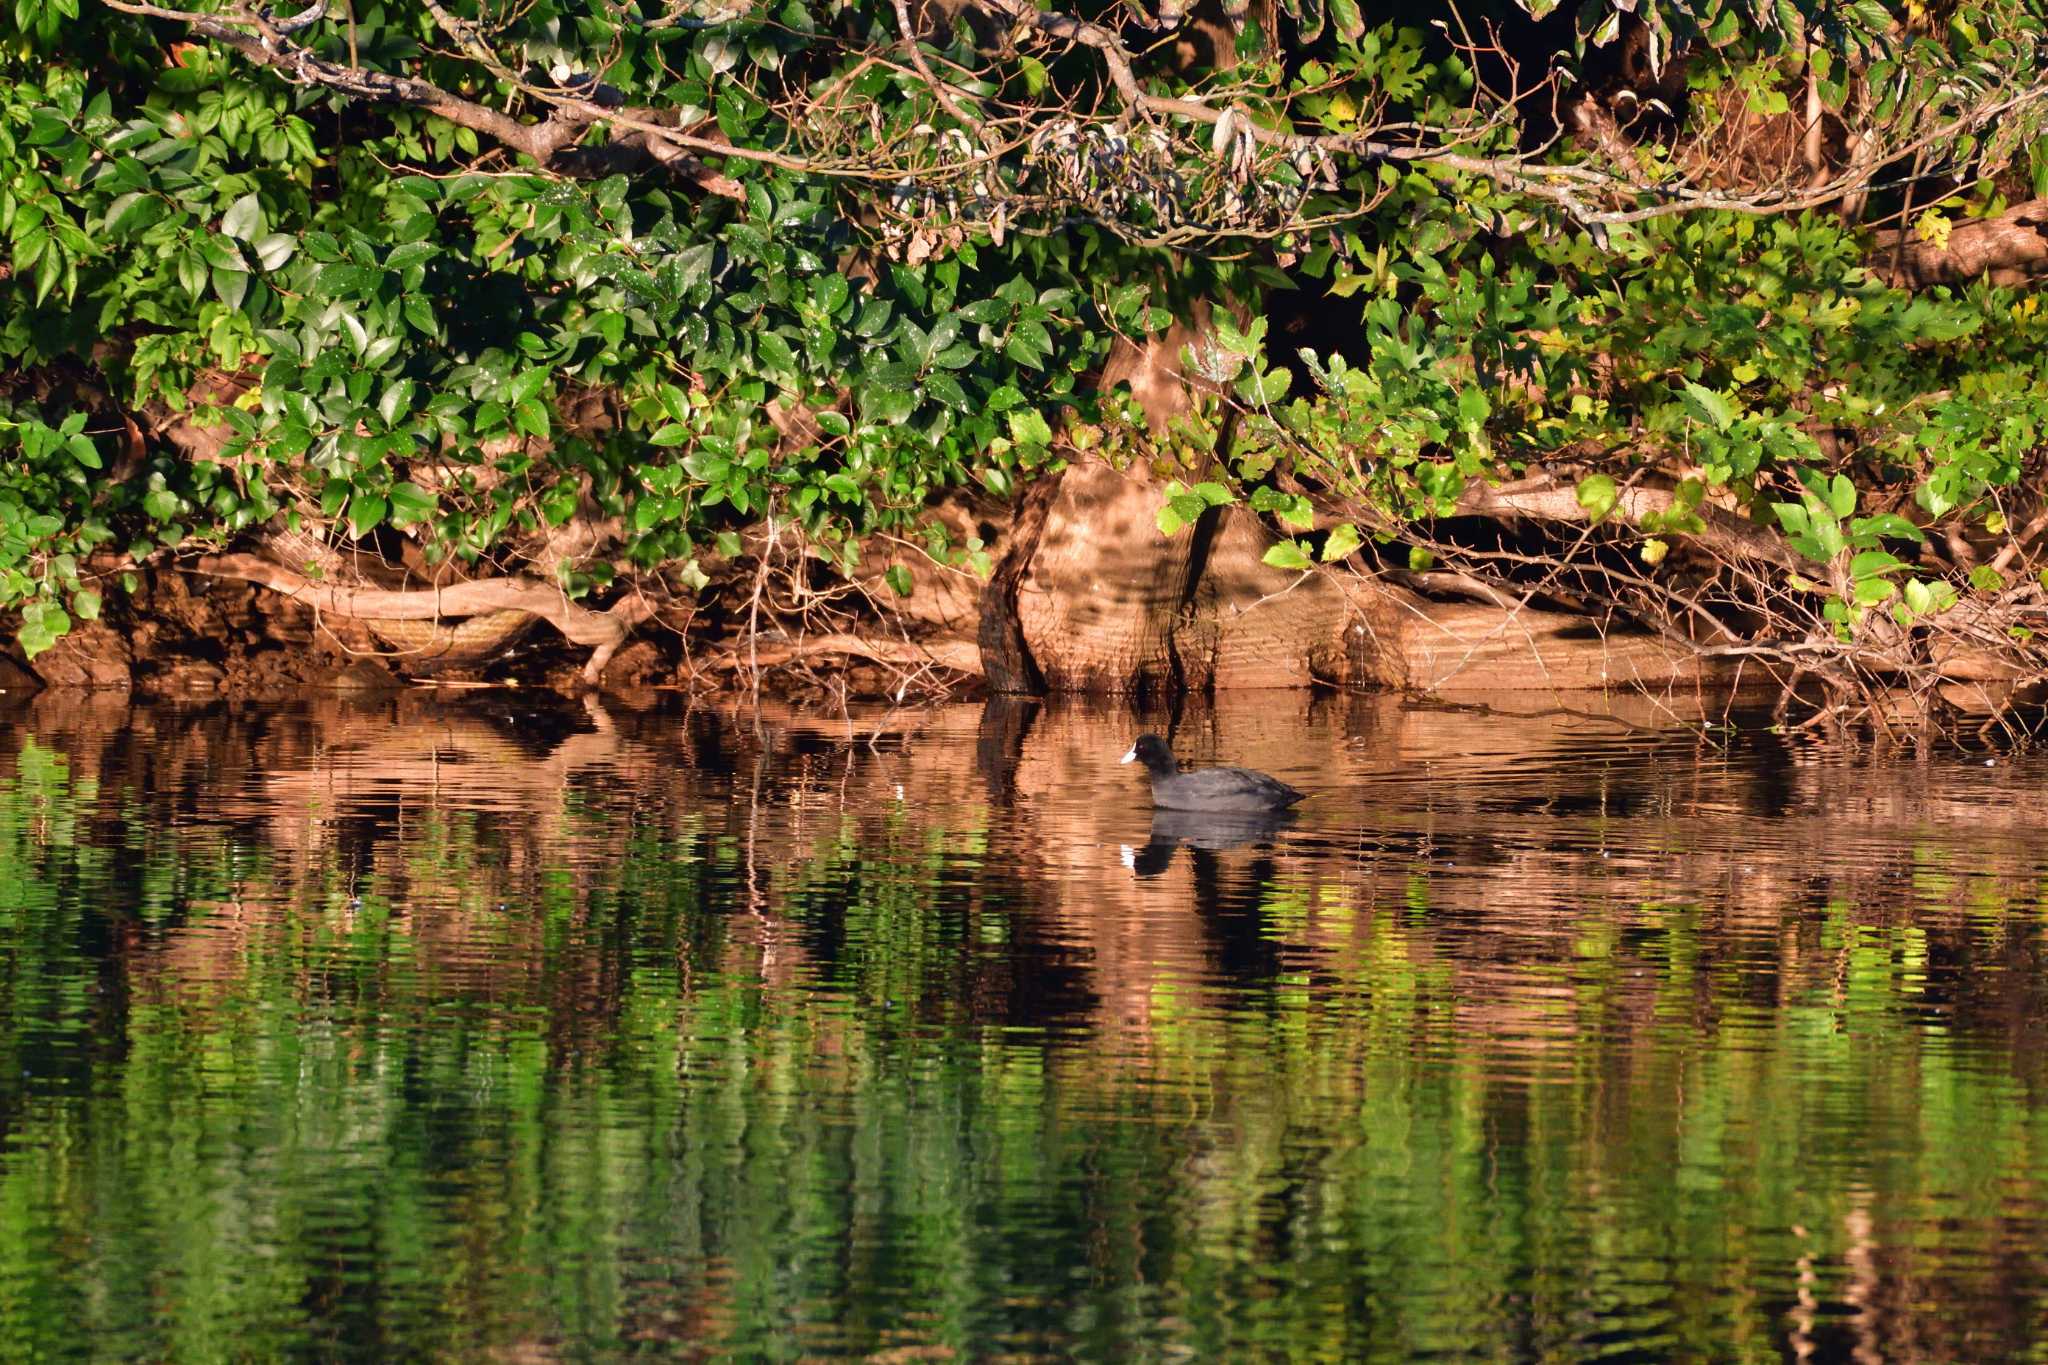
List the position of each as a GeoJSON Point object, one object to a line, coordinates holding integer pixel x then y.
{"type": "Point", "coordinates": [500, 1030]}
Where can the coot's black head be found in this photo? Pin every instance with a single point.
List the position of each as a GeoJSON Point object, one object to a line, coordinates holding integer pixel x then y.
{"type": "Point", "coordinates": [1151, 751]}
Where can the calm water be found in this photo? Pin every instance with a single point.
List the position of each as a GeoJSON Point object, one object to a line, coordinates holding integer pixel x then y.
{"type": "Point", "coordinates": [477, 1030]}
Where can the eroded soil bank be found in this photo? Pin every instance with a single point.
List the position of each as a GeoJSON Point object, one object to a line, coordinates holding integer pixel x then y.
{"type": "Point", "coordinates": [1084, 615]}
{"type": "Point", "coordinates": [182, 633]}
{"type": "Point", "coordinates": [1074, 601]}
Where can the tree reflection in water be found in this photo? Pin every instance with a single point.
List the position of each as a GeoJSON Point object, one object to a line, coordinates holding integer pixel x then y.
{"type": "Point", "coordinates": [401, 1028]}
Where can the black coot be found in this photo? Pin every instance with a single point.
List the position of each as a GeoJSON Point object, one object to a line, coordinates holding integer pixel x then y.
{"type": "Point", "coordinates": [1210, 789]}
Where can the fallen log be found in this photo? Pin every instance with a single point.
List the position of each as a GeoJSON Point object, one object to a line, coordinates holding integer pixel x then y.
{"type": "Point", "coordinates": [2010, 249]}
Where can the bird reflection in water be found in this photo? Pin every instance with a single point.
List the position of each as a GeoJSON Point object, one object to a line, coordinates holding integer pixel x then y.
{"type": "Point", "coordinates": [1208, 831]}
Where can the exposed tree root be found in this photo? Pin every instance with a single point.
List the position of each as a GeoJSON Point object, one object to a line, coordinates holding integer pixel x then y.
{"type": "Point", "coordinates": [962, 657]}
{"type": "Point", "coordinates": [604, 631]}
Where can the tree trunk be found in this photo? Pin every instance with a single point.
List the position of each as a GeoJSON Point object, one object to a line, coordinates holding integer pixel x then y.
{"type": "Point", "coordinates": [1251, 625]}
{"type": "Point", "coordinates": [1106, 604]}
{"type": "Point", "coordinates": [1096, 605]}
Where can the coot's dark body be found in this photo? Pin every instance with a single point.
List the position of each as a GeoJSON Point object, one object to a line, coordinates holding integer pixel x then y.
{"type": "Point", "coordinates": [1208, 789]}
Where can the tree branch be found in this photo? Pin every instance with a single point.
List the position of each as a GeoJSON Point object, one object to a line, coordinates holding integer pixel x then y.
{"type": "Point", "coordinates": [1568, 186]}
{"type": "Point", "coordinates": [940, 91]}
{"type": "Point", "coordinates": [267, 43]}
{"type": "Point", "coordinates": [1594, 196]}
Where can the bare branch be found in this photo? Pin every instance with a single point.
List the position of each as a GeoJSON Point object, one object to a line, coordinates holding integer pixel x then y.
{"type": "Point", "coordinates": [940, 91]}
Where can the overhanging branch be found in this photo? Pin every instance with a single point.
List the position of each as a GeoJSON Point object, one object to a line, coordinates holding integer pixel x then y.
{"type": "Point", "coordinates": [269, 43]}
{"type": "Point", "coordinates": [1596, 196]}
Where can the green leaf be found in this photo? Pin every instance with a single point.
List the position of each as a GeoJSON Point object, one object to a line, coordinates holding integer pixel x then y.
{"type": "Point", "coordinates": [1597, 494]}
{"type": "Point", "coordinates": [134, 212]}
{"type": "Point", "coordinates": [1265, 389]}
{"type": "Point", "coordinates": [85, 603]}
{"type": "Point", "coordinates": [1028, 427]}
{"type": "Point", "coordinates": [366, 513]}
{"type": "Point", "coordinates": [776, 354]}
{"type": "Point", "coordinates": [244, 218]}
{"type": "Point", "coordinates": [1713, 408]}
{"type": "Point", "coordinates": [1886, 524]}
{"type": "Point", "coordinates": [220, 253]}
{"type": "Point", "coordinates": [34, 638]}
{"type": "Point", "coordinates": [45, 126]}
{"type": "Point", "coordinates": [42, 625]}
{"type": "Point", "coordinates": [652, 510]}
{"type": "Point", "coordinates": [1792, 518]}
{"type": "Point", "coordinates": [1841, 496]}
{"type": "Point", "coordinates": [526, 384]}
{"type": "Point", "coordinates": [1288, 554]}
{"type": "Point", "coordinates": [874, 316]}
{"type": "Point", "coordinates": [231, 285]}
{"type": "Point", "coordinates": [420, 314]}
{"type": "Point", "coordinates": [1342, 541]}
{"type": "Point", "coordinates": [899, 579]}
{"type": "Point", "coordinates": [831, 292]}
{"type": "Point", "coordinates": [410, 254]}
{"type": "Point", "coordinates": [410, 502]}
{"type": "Point", "coordinates": [530, 417]}
{"type": "Point", "coordinates": [345, 280]}
{"type": "Point", "coordinates": [672, 434]}
{"type": "Point", "coordinates": [1473, 408]}
{"type": "Point", "coordinates": [834, 423]}
{"type": "Point", "coordinates": [396, 399]}
{"type": "Point", "coordinates": [1984, 578]}
{"type": "Point", "coordinates": [1029, 345]}
{"type": "Point", "coordinates": [886, 403]}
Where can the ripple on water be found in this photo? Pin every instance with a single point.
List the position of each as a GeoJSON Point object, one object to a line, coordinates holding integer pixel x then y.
{"type": "Point", "coordinates": [486, 1030]}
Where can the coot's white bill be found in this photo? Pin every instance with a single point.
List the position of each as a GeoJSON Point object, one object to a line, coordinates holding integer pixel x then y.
{"type": "Point", "coordinates": [1131, 756]}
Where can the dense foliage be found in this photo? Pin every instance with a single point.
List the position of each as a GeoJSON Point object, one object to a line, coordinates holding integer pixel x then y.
{"type": "Point", "coordinates": [593, 291]}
